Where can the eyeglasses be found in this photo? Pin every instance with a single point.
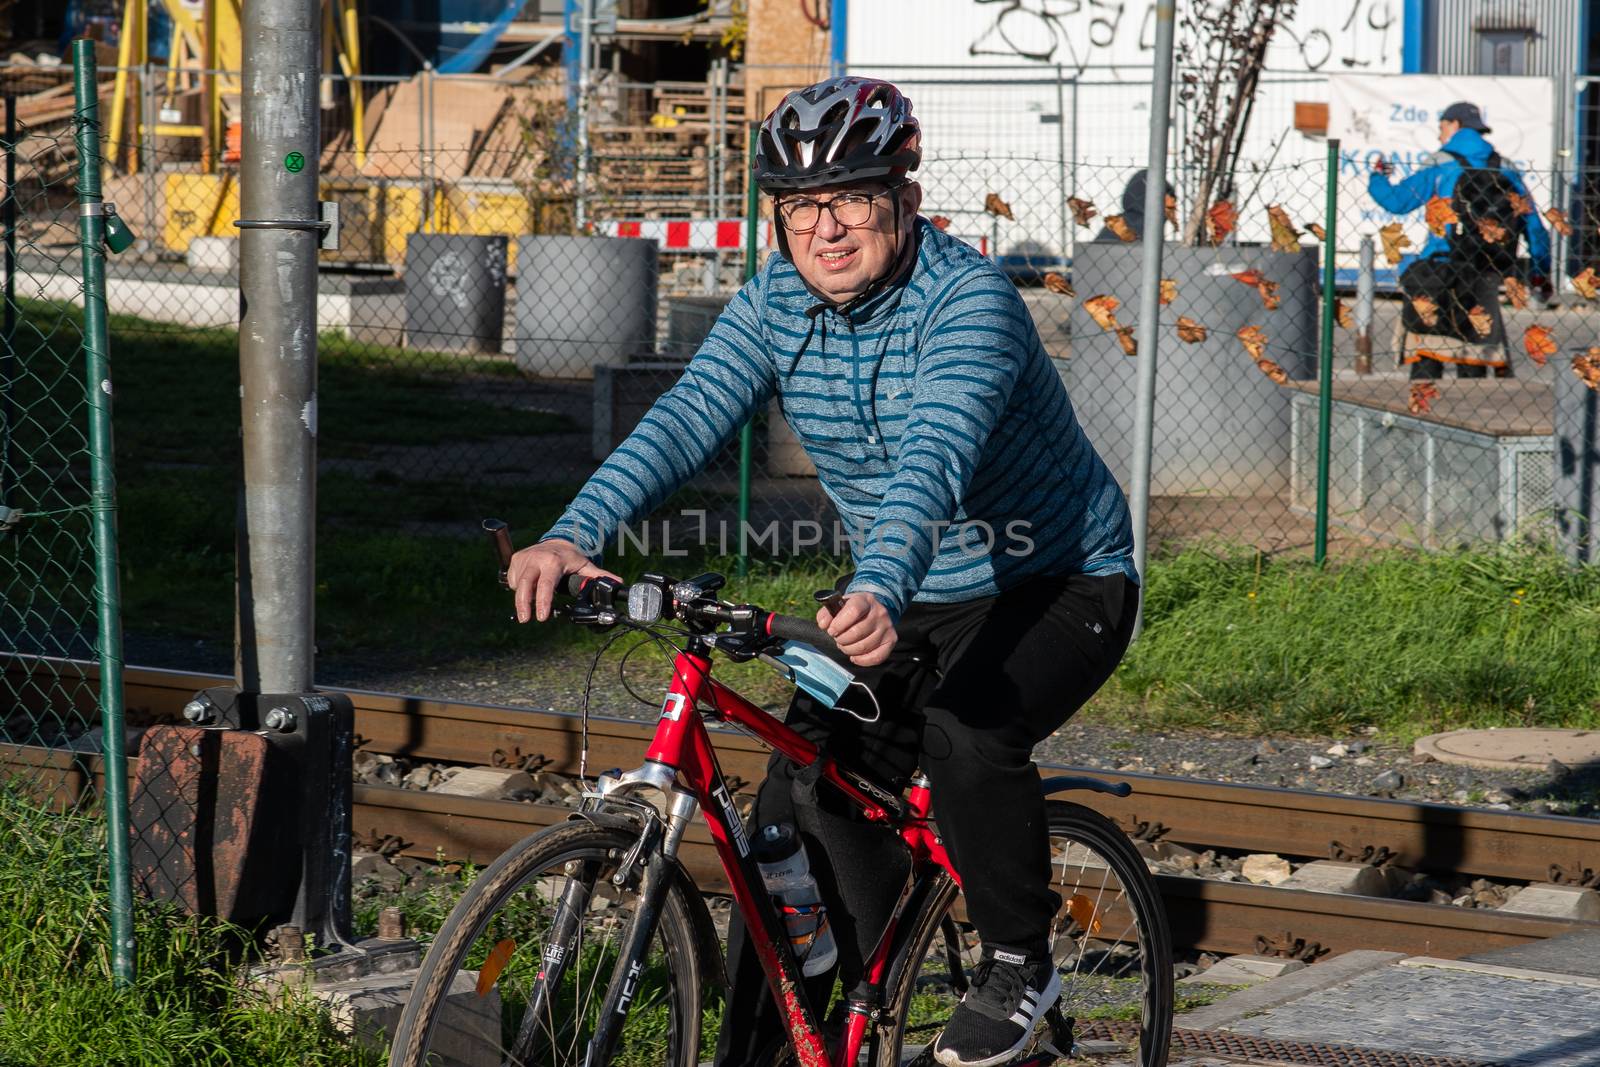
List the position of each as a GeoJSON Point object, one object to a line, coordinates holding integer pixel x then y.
{"type": "Point", "coordinates": [850, 210]}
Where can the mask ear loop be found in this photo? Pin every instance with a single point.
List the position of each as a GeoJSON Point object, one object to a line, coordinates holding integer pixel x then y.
{"type": "Point", "coordinates": [877, 709]}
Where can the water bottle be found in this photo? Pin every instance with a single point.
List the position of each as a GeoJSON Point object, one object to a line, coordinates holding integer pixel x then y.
{"type": "Point", "coordinates": [781, 855]}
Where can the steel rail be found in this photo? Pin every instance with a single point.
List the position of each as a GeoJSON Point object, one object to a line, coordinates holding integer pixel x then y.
{"type": "Point", "coordinates": [1240, 818]}
{"type": "Point", "coordinates": [1205, 915]}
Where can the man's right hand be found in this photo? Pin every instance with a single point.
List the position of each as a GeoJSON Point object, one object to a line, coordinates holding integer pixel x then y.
{"type": "Point", "coordinates": [536, 573]}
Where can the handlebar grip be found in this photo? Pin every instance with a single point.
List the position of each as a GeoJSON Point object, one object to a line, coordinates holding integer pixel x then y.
{"type": "Point", "coordinates": [573, 584]}
{"type": "Point", "coordinates": [790, 628]}
{"type": "Point", "coordinates": [500, 535]}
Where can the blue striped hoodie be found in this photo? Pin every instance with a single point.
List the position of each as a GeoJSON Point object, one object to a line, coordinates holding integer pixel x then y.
{"type": "Point", "coordinates": [938, 425]}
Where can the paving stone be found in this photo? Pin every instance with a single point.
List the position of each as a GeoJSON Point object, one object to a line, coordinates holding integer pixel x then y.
{"type": "Point", "coordinates": [1320, 975]}
{"type": "Point", "coordinates": [1574, 953]}
{"type": "Point", "coordinates": [1244, 970]}
{"type": "Point", "coordinates": [369, 1008]}
{"type": "Point", "coordinates": [1518, 1021]}
{"type": "Point", "coordinates": [1556, 902]}
{"type": "Point", "coordinates": [1335, 876]}
{"type": "Point", "coordinates": [491, 783]}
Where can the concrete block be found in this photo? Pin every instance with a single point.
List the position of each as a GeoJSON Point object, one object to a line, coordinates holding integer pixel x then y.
{"type": "Point", "coordinates": [369, 1009]}
{"type": "Point", "coordinates": [1244, 971]}
{"type": "Point", "coordinates": [214, 253]}
{"type": "Point", "coordinates": [490, 783]}
{"type": "Point", "coordinates": [1332, 876]}
{"type": "Point", "coordinates": [1555, 902]}
{"type": "Point", "coordinates": [1265, 869]}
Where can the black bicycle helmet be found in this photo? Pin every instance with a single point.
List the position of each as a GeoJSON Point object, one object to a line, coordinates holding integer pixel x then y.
{"type": "Point", "coordinates": [840, 130]}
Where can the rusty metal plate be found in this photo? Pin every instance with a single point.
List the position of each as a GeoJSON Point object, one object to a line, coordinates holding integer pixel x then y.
{"type": "Point", "coordinates": [206, 817]}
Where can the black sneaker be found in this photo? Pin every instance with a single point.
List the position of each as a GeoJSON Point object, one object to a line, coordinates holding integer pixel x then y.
{"type": "Point", "coordinates": [994, 1021]}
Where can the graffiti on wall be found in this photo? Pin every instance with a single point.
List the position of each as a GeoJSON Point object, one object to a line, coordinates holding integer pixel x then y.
{"type": "Point", "coordinates": [1078, 34]}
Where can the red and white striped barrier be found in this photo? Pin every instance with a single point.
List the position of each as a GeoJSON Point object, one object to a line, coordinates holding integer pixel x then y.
{"type": "Point", "coordinates": [686, 235]}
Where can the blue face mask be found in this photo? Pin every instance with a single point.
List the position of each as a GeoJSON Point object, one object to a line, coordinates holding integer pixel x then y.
{"type": "Point", "coordinates": [814, 672]}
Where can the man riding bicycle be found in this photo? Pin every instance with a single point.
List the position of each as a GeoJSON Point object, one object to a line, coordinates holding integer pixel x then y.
{"type": "Point", "coordinates": [994, 589]}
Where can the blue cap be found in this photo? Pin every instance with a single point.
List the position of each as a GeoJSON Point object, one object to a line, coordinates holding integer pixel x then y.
{"type": "Point", "coordinates": [1466, 114]}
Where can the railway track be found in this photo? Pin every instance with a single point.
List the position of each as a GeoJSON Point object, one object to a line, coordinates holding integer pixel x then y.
{"type": "Point", "coordinates": [1207, 915]}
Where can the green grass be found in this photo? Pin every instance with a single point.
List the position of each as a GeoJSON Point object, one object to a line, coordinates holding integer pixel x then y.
{"type": "Point", "coordinates": [1406, 641]}
{"type": "Point", "coordinates": [187, 1007]}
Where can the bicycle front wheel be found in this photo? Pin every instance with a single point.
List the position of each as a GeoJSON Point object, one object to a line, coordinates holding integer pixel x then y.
{"type": "Point", "coordinates": [518, 973]}
{"type": "Point", "coordinates": [1109, 940]}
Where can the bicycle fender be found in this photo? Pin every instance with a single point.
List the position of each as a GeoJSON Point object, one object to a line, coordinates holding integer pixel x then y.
{"type": "Point", "coordinates": [1064, 782]}
{"type": "Point", "coordinates": [705, 930]}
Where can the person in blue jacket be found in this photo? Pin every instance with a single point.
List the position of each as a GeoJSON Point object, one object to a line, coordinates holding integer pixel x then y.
{"type": "Point", "coordinates": [1469, 173]}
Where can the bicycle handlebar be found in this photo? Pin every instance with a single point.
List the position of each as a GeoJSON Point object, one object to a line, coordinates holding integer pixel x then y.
{"type": "Point", "coordinates": [770, 624]}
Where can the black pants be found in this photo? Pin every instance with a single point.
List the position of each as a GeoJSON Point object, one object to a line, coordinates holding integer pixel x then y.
{"type": "Point", "coordinates": [967, 693]}
{"type": "Point", "coordinates": [1454, 289]}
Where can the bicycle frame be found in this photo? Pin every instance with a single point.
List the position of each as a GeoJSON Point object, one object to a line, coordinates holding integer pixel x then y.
{"type": "Point", "coordinates": [682, 751]}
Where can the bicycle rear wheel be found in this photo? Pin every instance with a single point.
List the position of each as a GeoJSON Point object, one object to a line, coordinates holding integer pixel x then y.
{"type": "Point", "coordinates": [1109, 939]}
{"type": "Point", "coordinates": [517, 975]}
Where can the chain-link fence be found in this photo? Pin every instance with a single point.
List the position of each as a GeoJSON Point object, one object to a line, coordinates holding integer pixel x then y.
{"type": "Point", "coordinates": [59, 625]}
{"type": "Point", "coordinates": [502, 308]}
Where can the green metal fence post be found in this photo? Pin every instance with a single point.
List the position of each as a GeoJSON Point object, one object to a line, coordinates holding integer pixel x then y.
{"type": "Point", "coordinates": [8, 354]}
{"type": "Point", "coordinates": [1325, 353]}
{"type": "Point", "coordinates": [97, 382]}
{"type": "Point", "coordinates": [752, 219]}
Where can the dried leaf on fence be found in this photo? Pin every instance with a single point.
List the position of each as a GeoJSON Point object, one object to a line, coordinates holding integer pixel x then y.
{"type": "Point", "coordinates": [1082, 210]}
{"type": "Point", "coordinates": [1558, 221]}
{"type": "Point", "coordinates": [1317, 231]}
{"type": "Point", "coordinates": [995, 206]}
{"type": "Point", "coordinates": [1492, 231]}
{"type": "Point", "coordinates": [1273, 370]}
{"type": "Point", "coordinates": [1190, 331]}
{"type": "Point", "coordinates": [1269, 295]}
{"type": "Point", "coordinates": [1058, 284]}
{"type": "Point", "coordinates": [1482, 321]}
{"type": "Point", "coordinates": [1254, 340]}
{"type": "Point", "coordinates": [1342, 315]}
{"type": "Point", "coordinates": [1169, 208]}
{"type": "Point", "coordinates": [1423, 394]}
{"type": "Point", "coordinates": [1119, 226]}
{"type": "Point", "coordinates": [940, 222]}
{"type": "Point", "coordinates": [1521, 204]}
{"type": "Point", "coordinates": [1438, 214]}
{"type": "Point", "coordinates": [1251, 277]}
{"type": "Point", "coordinates": [1427, 310]}
{"type": "Point", "coordinates": [1220, 220]}
{"type": "Point", "coordinates": [1285, 238]}
{"type": "Point", "coordinates": [1169, 291]}
{"type": "Point", "coordinates": [1517, 293]}
{"type": "Point", "coordinates": [1126, 340]}
{"type": "Point", "coordinates": [1538, 343]}
{"type": "Point", "coordinates": [1587, 283]}
{"type": "Point", "coordinates": [1587, 367]}
{"type": "Point", "coordinates": [1394, 240]}
{"type": "Point", "coordinates": [1103, 310]}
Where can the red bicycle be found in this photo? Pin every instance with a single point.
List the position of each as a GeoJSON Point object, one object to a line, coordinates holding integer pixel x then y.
{"type": "Point", "coordinates": [589, 943]}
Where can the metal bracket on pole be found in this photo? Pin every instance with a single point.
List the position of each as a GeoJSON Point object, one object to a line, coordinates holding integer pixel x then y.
{"type": "Point", "coordinates": [117, 236]}
{"type": "Point", "coordinates": [327, 227]}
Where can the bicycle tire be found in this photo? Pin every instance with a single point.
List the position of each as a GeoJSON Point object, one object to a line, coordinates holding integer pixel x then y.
{"type": "Point", "coordinates": [433, 1029]}
{"type": "Point", "coordinates": [1078, 835]}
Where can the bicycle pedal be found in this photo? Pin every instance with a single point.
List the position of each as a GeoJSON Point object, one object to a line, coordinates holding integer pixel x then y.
{"type": "Point", "coordinates": [923, 1058]}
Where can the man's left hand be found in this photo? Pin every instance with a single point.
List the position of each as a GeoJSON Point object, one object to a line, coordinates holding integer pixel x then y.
{"type": "Point", "coordinates": [861, 628]}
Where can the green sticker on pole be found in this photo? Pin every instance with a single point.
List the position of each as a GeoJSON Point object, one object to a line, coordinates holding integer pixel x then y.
{"type": "Point", "coordinates": [294, 163]}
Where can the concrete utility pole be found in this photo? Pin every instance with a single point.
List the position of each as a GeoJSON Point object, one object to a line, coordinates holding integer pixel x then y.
{"type": "Point", "coordinates": [278, 240]}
